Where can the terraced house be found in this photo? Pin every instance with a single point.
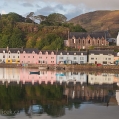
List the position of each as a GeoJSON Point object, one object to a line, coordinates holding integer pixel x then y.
{"type": "Point", "coordinates": [35, 56]}
{"type": "Point", "coordinates": [101, 57]}
{"type": "Point", "coordinates": [71, 57]}
{"type": "Point", "coordinates": [10, 55]}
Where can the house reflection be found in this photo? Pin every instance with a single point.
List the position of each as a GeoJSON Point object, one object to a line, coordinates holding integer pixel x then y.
{"type": "Point", "coordinates": [22, 75]}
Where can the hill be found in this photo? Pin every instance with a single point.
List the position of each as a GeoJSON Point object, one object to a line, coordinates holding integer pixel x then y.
{"type": "Point", "coordinates": [18, 31]}
{"type": "Point", "coordinates": [99, 21]}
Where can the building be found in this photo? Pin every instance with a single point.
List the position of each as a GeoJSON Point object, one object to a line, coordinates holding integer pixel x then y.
{"type": "Point", "coordinates": [101, 56]}
{"type": "Point", "coordinates": [47, 57]}
{"type": "Point", "coordinates": [84, 40]}
{"type": "Point", "coordinates": [29, 56]}
{"type": "Point", "coordinates": [10, 55]}
{"type": "Point", "coordinates": [71, 57]}
{"type": "Point", "coordinates": [117, 42]}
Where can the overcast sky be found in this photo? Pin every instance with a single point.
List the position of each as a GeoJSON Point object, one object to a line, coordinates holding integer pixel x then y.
{"type": "Point", "coordinates": [69, 8]}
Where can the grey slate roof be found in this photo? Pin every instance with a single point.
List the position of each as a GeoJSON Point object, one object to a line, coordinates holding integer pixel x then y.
{"type": "Point", "coordinates": [104, 52]}
{"type": "Point", "coordinates": [15, 50]}
{"type": "Point", "coordinates": [49, 51]}
{"type": "Point", "coordinates": [30, 50]}
{"type": "Point", "coordinates": [72, 52]}
{"type": "Point", "coordinates": [96, 35]}
{"type": "Point", "coordinates": [3, 49]}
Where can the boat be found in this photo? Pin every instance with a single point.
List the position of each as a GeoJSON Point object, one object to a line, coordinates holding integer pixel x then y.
{"type": "Point", "coordinates": [35, 72]}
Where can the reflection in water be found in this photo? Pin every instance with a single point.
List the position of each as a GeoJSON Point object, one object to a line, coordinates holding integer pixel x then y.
{"type": "Point", "coordinates": [52, 93]}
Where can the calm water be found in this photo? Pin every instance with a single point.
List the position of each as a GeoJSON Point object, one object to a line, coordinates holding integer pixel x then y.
{"type": "Point", "coordinates": [29, 93]}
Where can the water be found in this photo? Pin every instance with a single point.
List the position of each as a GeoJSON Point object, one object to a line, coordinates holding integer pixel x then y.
{"type": "Point", "coordinates": [62, 95]}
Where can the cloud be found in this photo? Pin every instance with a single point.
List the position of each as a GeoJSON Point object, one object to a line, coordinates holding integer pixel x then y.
{"type": "Point", "coordinates": [45, 11]}
{"type": "Point", "coordinates": [70, 8]}
{"type": "Point", "coordinates": [27, 5]}
{"type": "Point", "coordinates": [97, 4]}
{"type": "Point", "coordinates": [3, 12]}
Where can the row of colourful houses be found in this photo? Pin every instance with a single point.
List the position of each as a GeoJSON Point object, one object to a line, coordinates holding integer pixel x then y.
{"type": "Point", "coordinates": [35, 56]}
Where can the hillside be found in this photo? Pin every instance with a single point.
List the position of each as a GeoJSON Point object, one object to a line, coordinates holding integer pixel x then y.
{"type": "Point", "coordinates": [18, 31]}
{"type": "Point", "coordinates": [98, 21]}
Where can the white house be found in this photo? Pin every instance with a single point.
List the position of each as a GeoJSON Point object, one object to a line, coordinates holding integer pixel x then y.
{"type": "Point", "coordinates": [117, 42]}
{"type": "Point", "coordinates": [71, 57]}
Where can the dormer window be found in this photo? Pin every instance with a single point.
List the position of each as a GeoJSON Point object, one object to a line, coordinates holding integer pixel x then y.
{"type": "Point", "coordinates": [74, 53]}
{"type": "Point", "coordinates": [24, 52]}
{"type": "Point", "coordinates": [33, 52]}
{"type": "Point", "coordinates": [52, 53]}
{"type": "Point", "coordinates": [3, 51]}
{"type": "Point", "coordinates": [61, 53]}
{"type": "Point", "coordinates": [67, 53]}
{"type": "Point", "coordinates": [40, 53]}
{"type": "Point", "coordinates": [81, 53]}
{"type": "Point", "coordinates": [18, 52]}
{"type": "Point", "coordinates": [46, 53]}
{"type": "Point", "coordinates": [9, 52]}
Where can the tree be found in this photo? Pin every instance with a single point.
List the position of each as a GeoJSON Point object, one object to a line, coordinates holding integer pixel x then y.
{"type": "Point", "coordinates": [30, 15]}
{"type": "Point", "coordinates": [40, 18]}
{"type": "Point", "coordinates": [54, 19]}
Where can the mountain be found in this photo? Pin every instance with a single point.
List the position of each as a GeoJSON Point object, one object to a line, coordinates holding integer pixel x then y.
{"type": "Point", "coordinates": [99, 21]}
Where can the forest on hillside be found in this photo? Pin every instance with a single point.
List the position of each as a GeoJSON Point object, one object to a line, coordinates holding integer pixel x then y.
{"type": "Point", "coordinates": [17, 31]}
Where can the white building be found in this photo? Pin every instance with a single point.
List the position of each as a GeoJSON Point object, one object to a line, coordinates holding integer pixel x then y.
{"type": "Point", "coordinates": [101, 56]}
{"type": "Point", "coordinates": [117, 42]}
{"type": "Point", "coordinates": [71, 57]}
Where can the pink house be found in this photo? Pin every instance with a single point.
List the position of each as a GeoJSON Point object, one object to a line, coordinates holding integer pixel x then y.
{"type": "Point", "coordinates": [47, 57]}
{"type": "Point", "coordinates": [29, 55]}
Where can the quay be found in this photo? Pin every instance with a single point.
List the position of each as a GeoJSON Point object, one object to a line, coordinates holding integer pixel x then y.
{"type": "Point", "coordinates": [69, 67]}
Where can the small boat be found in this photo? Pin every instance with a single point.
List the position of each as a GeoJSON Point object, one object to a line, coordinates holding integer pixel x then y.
{"type": "Point", "coordinates": [35, 72]}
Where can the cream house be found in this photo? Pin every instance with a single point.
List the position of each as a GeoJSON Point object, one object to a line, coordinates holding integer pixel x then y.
{"type": "Point", "coordinates": [101, 57]}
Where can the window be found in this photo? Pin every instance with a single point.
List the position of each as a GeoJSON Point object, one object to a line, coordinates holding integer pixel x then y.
{"type": "Point", "coordinates": [33, 56]}
{"type": "Point", "coordinates": [13, 56]}
{"type": "Point", "coordinates": [18, 56]}
{"type": "Point", "coordinates": [61, 58]}
{"type": "Point", "coordinates": [46, 57]}
{"type": "Point", "coordinates": [61, 53]}
{"type": "Point", "coordinates": [18, 52]}
{"type": "Point", "coordinates": [24, 56]}
{"type": "Point", "coordinates": [52, 53]}
{"type": "Point", "coordinates": [109, 58]}
{"type": "Point", "coordinates": [3, 56]}
{"type": "Point", "coordinates": [9, 56]}
{"type": "Point", "coordinates": [28, 56]}
{"type": "Point", "coordinates": [74, 53]}
{"type": "Point", "coordinates": [67, 53]}
{"type": "Point", "coordinates": [92, 58]}
{"type": "Point", "coordinates": [81, 58]}
{"type": "Point", "coordinates": [13, 60]}
{"type": "Point", "coordinates": [81, 62]}
{"type": "Point", "coordinates": [74, 58]}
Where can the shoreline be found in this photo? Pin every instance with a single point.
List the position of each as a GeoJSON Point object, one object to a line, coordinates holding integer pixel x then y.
{"type": "Point", "coordinates": [62, 67]}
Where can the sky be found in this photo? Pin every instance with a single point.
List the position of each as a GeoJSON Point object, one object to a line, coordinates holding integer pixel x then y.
{"type": "Point", "coordinates": [69, 8]}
